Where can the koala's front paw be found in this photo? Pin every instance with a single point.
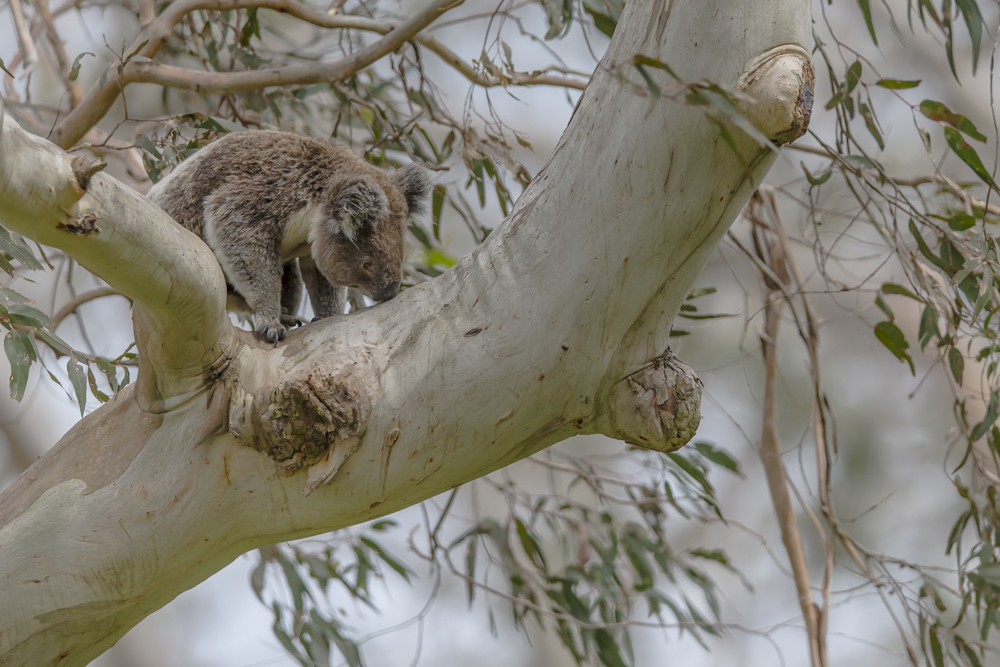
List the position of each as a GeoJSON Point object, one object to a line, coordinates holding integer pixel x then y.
{"type": "Point", "coordinates": [271, 332]}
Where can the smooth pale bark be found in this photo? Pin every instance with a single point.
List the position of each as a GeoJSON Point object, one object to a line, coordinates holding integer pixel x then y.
{"type": "Point", "coordinates": [558, 324]}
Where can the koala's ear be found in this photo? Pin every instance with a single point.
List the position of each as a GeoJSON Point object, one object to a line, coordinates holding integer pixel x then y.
{"type": "Point", "coordinates": [358, 207]}
{"type": "Point", "coordinates": [415, 184]}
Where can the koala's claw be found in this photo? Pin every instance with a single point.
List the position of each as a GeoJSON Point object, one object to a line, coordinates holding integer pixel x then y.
{"type": "Point", "coordinates": [272, 333]}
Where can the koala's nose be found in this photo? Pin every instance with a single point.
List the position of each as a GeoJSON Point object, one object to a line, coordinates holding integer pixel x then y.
{"type": "Point", "coordinates": [389, 291]}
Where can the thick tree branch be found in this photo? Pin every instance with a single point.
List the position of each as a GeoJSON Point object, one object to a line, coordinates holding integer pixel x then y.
{"type": "Point", "coordinates": [556, 325]}
{"type": "Point", "coordinates": [157, 34]}
{"type": "Point", "coordinates": [173, 278]}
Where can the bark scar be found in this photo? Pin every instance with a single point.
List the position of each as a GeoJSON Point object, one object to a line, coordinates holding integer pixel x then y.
{"type": "Point", "coordinates": [85, 225]}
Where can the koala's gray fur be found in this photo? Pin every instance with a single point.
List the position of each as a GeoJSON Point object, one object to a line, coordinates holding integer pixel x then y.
{"type": "Point", "coordinates": [274, 206]}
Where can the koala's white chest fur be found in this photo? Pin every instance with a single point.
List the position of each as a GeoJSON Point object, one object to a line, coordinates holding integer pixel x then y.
{"type": "Point", "coordinates": [299, 231]}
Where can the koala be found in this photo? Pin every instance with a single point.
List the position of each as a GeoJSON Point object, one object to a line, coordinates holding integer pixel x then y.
{"type": "Point", "coordinates": [279, 209]}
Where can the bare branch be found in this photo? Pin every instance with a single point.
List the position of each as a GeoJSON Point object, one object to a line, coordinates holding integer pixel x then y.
{"type": "Point", "coordinates": [224, 83]}
{"type": "Point", "coordinates": [770, 456]}
{"type": "Point", "coordinates": [84, 297]}
{"type": "Point", "coordinates": [24, 38]}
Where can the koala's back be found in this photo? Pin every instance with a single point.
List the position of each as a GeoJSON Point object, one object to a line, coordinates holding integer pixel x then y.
{"type": "Point", "coordinates": [274, 173]}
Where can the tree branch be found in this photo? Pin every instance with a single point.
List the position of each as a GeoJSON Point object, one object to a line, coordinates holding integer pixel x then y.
{"type": "Point", "coordinates": [770, 456]}
{"type": "Point", "coordinates": [24, 38]}
{"type": "Point", "coordinates": [84, 297]}
{"type": "Point", "coordinates": [173, 278]}
{"type": "Point", "coordinates": [157, 34]}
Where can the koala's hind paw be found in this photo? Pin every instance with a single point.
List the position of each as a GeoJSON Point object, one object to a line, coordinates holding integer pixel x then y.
{"type": "Point", "coordinates": [272, 333]}
{"type": "Point", "coordinates": [289, 321]}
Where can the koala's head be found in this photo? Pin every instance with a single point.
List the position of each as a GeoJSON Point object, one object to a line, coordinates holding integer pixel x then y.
{"type": "Point", "coordinates": [361, 243]}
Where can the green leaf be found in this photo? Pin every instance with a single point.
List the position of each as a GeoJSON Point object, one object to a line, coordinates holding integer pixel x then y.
{"type": "Point", "coordinates": [4, 69]}
{"type": "Point", "coordinates": [20, 353]}
{"type": "Point", "coordinates": [18, 313]}
{"type": "Point", "coordinates": [941, 113]}
{"type": "Point", "coordinates": [925, 137]}
{"type": "Point", "coordinates": [607, 649]}
{"type": "Point", "coordinates": [701, 291]}
{"type": "Point", "coordinates": [936, 649]}
{"type": "Point", "coordinates": [437, 206]}
{"type": "Point", "coordinates": [703, 316]}
{"type": "Point", "coordinates": [988, 420]}
{"type": "Point", "coordinates": [15, 246]}
{"type": "Point", "coordinates": [717, 456]}
{"type": "Point", "coordinates": [866, 10]}
{"type": "Point", "coordinates": [606, 21]}
{"type": "Point", "coordinates": [693, 471]}
{"type": "Point", "coordinates": [968, 155]}
{"type": "Point", "coordinates": [817, 180]}
{"type": "Point", "coordinates": [883, 306]}
{"type": "Point", "coordinates": [957, 364]}
{"type": "Point", "coordinates": [894, 340]}
{"type": "Point", "coordinates": [78, 378]}
{"type": "Point", "coordinates": [136, 50]}
{"type": "Point", "coordinates": [98, 394]}
{"type": "Point", "coordinates": [926, 251]}
{"type": "Point", "coordinates": [869, 117]}
{"type": "Point", "coordinates": [893, 288]}
{"type": "Point", "coordinates": [420, 234]}
{"type": "Point", "coordinates": [928, 329]}
{"type": "Point", "coordinates": [53, 341]}
{"type": "Point", "coordinates": [961, 221]}
{"type": "Point", "coordinates": [387, 558]}
{"type": "Point", "coordinates": [853, 76]}
{"type": "Point", "coordinates": [984, 293]}
{"type": "Point", "coordinates": [721, 103]}
{"type": "Point", "coordinates": [257, 578]}
{"type": "Point", "coordinates": [974, 22]}
{"type": "Point", "coordinates": [251, 28]}
{"type": "Point", "coordinates": [894, 84]}
{"type": "Point", "coordinates": [9, 296]}
{"type": "Point", "coordinates": [74, 70]}
{"type": "Point", "coordinates": [530, 545]}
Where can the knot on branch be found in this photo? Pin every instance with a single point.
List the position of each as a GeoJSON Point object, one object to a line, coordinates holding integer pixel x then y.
{"type": "Point", "coordinates": [304, 421]}
{"type": "Point", "coordinates": [657, 407]}
{"type": "Point", "coordinates": [781, 82]}
{"type": "Point", "coordinates": [84, 169]}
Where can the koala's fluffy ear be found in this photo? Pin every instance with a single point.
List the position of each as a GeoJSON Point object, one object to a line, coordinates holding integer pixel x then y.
{"type": "Point", "coordinates": [359, 206]}
{"type": "Point", "coordinates": [415, 184]}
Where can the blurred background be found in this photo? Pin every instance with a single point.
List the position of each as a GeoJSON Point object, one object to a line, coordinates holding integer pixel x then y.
{"type": "Point", "coordinates": [895, 430]}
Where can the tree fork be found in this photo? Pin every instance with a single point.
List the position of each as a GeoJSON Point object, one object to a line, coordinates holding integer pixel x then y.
{"type": "Point", "coordinates": [557, 324]}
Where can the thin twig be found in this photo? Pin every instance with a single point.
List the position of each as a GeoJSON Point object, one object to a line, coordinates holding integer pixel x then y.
{"type": "Point", "coordinates": [80, 299]}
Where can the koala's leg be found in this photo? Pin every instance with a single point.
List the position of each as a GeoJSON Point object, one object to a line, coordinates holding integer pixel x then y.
{"type": "Point", "coordinates": [250, 255]}
{"type": "Point", "coordinates": [326, 299]}
{"type": "Point", "coordinates": [291, 293]}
